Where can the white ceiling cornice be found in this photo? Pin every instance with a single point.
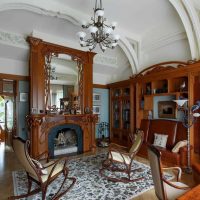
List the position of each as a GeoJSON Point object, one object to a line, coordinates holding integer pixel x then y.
{"type": "Point", "coordinates": [13, 39]}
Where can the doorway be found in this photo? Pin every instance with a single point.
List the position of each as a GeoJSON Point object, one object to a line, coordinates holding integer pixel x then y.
{"type": "Point", "coordinates": [6, 118]}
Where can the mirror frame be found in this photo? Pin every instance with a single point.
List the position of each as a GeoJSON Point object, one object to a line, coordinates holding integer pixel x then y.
{"type": "Point", "coordinates": [38, 76]}
{"type": "Point", "coordinates": [47, 69]}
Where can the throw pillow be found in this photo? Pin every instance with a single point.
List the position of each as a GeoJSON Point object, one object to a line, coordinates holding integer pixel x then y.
{"type": "Point", "coordinates": [179, 145]}
{"type": "Point", "coordinates": [39, 166]}
{"type": "Point", "coordinates": [160, 140]}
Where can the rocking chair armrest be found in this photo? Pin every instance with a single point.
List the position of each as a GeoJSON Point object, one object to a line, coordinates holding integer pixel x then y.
{"type": "Point", "coordinates": [118, 150]}
{"type": "Point", "coordinates": [54, 167]}
{"type": "Point", "coordinates": [178, 169]}
{"type": "Point", "coordinates": [43, 156]}
{"type": "Point", "coordinates": [122, 153]}
{"type": "Point", "coordinates": [117, 146]}
{"type": "Point", "coordinates": [175, 186]}
{"type": "Point", "coordinates": [52, 163]}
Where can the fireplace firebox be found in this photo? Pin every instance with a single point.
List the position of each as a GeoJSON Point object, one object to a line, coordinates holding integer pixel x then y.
{"type": "Point", "coordinates": [65, 139]}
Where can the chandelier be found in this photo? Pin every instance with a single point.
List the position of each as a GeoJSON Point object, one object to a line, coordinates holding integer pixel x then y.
{"type": "Point", "coordinates": [101, 33]}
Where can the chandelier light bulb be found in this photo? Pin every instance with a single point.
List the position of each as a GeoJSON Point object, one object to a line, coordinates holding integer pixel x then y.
{"type": "Point", "coordinates": [82, 43]}
{"type": "Point", "coordinates": [93, 29]}
{"type": "Point", "coordinates": [81, 35]}
{"type": "Point", "coordinates": [99, 13]}
{"type": "Point", "coordinates": [114, 24]}
{"type": "Point", "coordinates": [103, 48]}
{"type": "Point", "coordinates": [84, 24]}
{"type": "Point", "coordinates": [114, 45]}
{"type": "Point", "coordinates": [116, 37]}
{"type": "Point", "coordinates": [108, 31]}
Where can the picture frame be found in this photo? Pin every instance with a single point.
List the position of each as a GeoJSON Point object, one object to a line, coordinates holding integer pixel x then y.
{"type": "Point", "coordinates": [167, 109]}
{"type": "Point", "coordinates": [23, 97]}
{"type": "Point", "coordinates": [97, 109]}
{"type": "Point", "coordinates": [96, 98]}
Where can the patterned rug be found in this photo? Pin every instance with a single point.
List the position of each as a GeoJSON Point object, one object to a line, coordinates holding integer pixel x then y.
{"type": "Point", "coordinates": [89, 184]}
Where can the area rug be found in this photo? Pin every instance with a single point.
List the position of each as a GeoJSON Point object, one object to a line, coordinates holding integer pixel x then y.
{"type": "Point", "coordinates": [90, 185]}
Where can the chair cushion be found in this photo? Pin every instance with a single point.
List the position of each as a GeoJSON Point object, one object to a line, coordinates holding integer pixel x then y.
{"type": "Point", "coordinates": [179, 145]}
{"type": "Point", "coordinates": [39, 166]}
{"type": "Point", "coordinates": [118, 157]}
{"type": "Point", "coordinates": [173, 193]}
{"type": "Point", "coordinates": [160, 140]}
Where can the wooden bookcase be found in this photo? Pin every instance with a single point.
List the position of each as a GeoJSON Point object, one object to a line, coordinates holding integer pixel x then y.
{"type": "Point", "coordinates": [172, 80]}
{"type": "Point", "coordinates": [120, 112]}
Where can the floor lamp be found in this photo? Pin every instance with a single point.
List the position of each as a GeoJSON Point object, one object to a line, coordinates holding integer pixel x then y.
{"type": "Point", "coordinates": [189, 118]}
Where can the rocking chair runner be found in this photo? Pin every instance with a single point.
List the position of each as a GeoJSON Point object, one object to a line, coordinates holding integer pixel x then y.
{"type": "Point", "coordinates": [120, 159]}
{"type": "Point", "coordinates": [42, 175]}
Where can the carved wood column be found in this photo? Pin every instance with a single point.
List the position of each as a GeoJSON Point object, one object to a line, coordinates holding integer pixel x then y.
{"type": "Point", "coordinates": [88, 80]}
{"type": "Point", "coordinates": [36, 73]}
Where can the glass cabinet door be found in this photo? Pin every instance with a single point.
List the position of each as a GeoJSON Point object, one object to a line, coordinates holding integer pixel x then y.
{"type": "Point", "coordinates": [116, 114]}
{"type": "Point", "coordinates": [126, 114]}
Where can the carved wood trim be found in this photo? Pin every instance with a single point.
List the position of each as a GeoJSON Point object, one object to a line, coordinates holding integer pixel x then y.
{"type": "Point", "coordinates": [42, 124]}
{"type": "Point", "coordinates": [163, 67]}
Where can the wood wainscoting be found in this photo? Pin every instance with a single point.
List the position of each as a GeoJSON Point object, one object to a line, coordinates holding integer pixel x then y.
{"type": "Point", "coordinates": [41, 125]}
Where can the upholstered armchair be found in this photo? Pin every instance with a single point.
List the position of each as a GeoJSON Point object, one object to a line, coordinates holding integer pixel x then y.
{"type": "Point", "coordinates": [120, 159]}
{"type": "Point", "coordinates": [41, 174]}
{"type": "Point", "coordinates": [164, 189]}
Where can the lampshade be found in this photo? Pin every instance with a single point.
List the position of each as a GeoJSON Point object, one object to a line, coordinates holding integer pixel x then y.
{"type": "Point", "coordinates": [180, 102]}
{"type": "Point", "coordinates": [196, 114]}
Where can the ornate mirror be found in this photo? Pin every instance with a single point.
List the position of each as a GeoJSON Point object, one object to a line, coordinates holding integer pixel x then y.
{"type": "Point", "coordinates": [49, 65]}
{"type": "Point", "coordinates": [63, 83]}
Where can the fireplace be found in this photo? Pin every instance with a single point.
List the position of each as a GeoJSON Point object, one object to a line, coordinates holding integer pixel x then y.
{"type": "Point", "coordinates": [44, 128]}
{"type": "Point", "coordinates": [65, 139]}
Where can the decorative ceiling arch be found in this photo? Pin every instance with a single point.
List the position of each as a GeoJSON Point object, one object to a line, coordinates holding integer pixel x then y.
{"type": "Point", "coordinates": [184, 14]}
{"type": "Point", "coordinates": [194, 20]}
{"type": "Point", "coordinates": [64, 12]}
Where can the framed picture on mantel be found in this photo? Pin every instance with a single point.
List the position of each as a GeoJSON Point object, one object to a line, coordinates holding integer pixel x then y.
{"type": "Point", "coordinates": [167, 109]}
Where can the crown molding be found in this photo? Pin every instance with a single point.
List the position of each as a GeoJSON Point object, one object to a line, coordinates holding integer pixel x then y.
{"type": "Point", "coordinates": [40, 10]}
{"type": "Point", "coordinates": [164, 41]}
{"type": "Point", "coordinates": [13, 39]}
{"type": "Point", "coordinates": [105, 60]}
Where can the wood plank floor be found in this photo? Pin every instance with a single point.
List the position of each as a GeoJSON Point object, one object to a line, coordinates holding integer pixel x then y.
{"type": "Point", "coordinates": [9, 163]}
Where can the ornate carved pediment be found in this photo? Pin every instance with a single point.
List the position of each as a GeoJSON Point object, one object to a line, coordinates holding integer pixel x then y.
{"type": "Point", "coordinates": [163, 67]}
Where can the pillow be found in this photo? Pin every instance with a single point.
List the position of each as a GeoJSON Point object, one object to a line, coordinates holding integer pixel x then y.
{"type": "Point", "coordinates": [179, 145]}
{"type": "Point", "coordinates": [160, 140]}
{"type": "Point", "coordinates": [39, 166]}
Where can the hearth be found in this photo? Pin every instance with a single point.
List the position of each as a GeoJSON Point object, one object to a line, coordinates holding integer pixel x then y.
{"type": "Point", "coordinates": [65, 140]}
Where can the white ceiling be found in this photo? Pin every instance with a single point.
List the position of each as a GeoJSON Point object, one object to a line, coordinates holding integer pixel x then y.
{"type": "Point", "coordinates": [151, 31]}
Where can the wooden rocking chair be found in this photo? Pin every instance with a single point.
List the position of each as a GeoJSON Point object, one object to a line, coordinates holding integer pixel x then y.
{"type": "Point", "coordinates": [43, 175]}
{"type": "Point", "coordinates": [120, 159]}
{"type": "Point", "coordinates": [164, 189]}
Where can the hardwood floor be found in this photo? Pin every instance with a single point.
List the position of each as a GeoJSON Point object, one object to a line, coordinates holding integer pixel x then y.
{"type": "Point", "coordinates": [9, 163]}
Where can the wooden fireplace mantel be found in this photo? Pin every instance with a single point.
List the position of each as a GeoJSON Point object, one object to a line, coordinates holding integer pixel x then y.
{"type": "Point", "coordinates": [41, 125]}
